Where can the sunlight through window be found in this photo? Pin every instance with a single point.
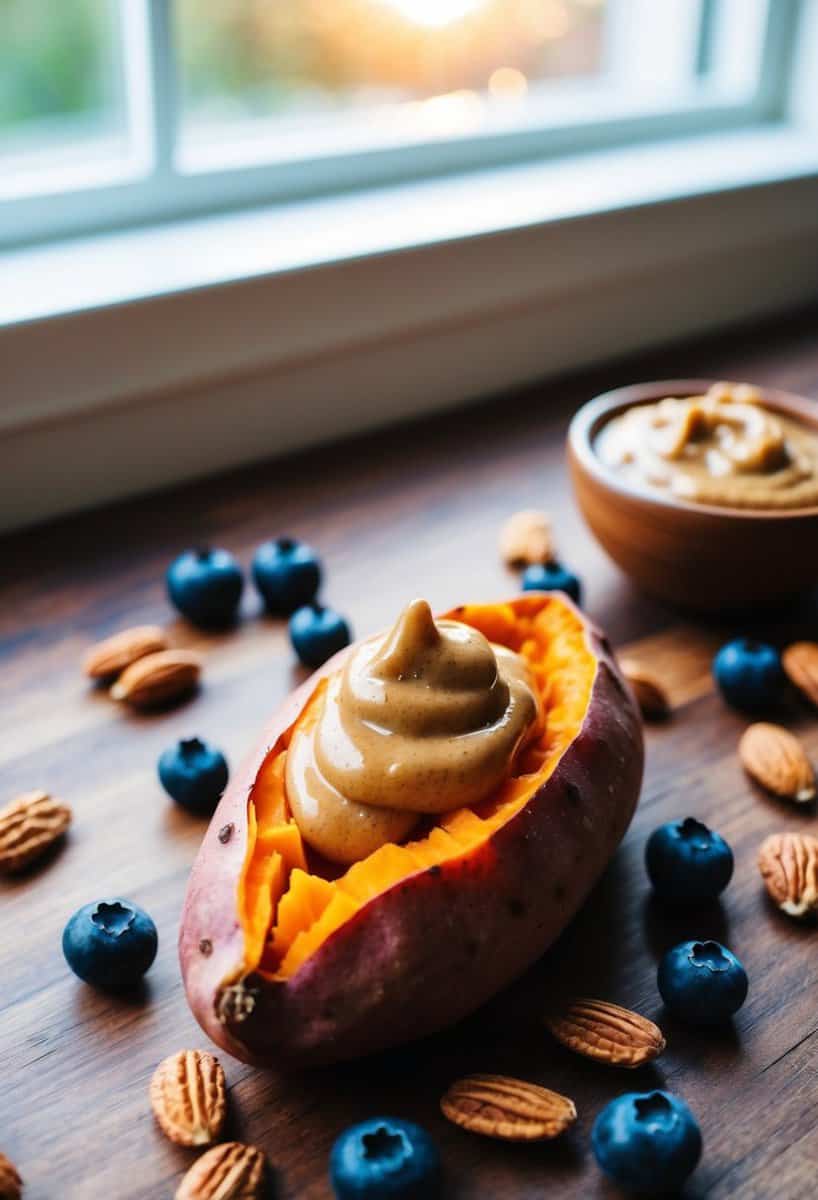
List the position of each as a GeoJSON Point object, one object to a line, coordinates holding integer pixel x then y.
{"type": "Point", "coordinates": [434, 13]}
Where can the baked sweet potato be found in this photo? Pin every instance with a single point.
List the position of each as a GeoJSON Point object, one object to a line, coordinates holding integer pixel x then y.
{"type": "Point", "coordinates": [284, 963]}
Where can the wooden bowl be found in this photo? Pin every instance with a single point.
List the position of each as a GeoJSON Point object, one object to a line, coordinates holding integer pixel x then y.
{"type": "Point", "coordinates": [694, 555]}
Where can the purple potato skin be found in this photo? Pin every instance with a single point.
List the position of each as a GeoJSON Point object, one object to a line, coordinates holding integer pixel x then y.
{"type": "Point", "coordinates": [385, 976]}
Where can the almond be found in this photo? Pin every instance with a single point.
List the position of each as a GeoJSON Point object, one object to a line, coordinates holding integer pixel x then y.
{"type": "Point", "coordinates": [788, 863]}
{"type": "Point", "coordinates": [607, 1033]}
{"type": "Point", "coordinates": [158, 678]}
{"type": "Point", "coordinates": [11, 1185]}
{"type": "Point", "coordinates": [776, 759]}
{"type": "Point", "coordinates": [527, 538]}
{"type": "Point", "coordinates": [188, 1098]}
{"type": "Point", "coordinates": [511, 1109]}
{"type": "Point", "coordinates": [650, 695]}
{"type": "Point", "coordinates": [801, 664]}
{"type": "Point", "coordinates": [28, 827]}
{"type": "Point", "coordinates": [231, 1171]}
{"type": "Point", "coordinates": [112, 656]}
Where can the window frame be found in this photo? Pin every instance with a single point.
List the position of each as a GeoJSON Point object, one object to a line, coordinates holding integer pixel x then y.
{"type": "Point", "coordinates": [270, 329]}
{"type": "Point", "coordinates": [148, 185]}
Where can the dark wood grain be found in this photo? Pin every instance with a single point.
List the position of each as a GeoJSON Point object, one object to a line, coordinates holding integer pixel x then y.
{"type": "Point", "coordinates": [394, 515]}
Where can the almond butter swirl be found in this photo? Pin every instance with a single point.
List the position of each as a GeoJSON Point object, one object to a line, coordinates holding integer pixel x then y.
{"type": "Point", "coordinates": [422, 720]}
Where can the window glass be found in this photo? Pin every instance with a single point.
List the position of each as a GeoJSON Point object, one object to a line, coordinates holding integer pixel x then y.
{"type": "Point", "coordinates": [305, 62]}
{"type": "Point", "coordinates": [61, 75]}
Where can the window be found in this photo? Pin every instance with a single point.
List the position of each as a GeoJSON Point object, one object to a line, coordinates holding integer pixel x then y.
{"type": "Point", "coordinates": [550, 182]}
{"type": "Point", "coordinates": [60, 84]}
{"type": "Point", "coordinates": [295, 79]}
{"type": "Point", "coordinates": [66, 83]}
{"type": "Point", "coordinates": [117, 111]}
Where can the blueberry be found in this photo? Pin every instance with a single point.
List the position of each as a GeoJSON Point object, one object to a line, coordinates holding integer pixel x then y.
{"type": "Point", "coordinates": [552, 577]}
{"type": "Point", "coordinates": [749, 675]}
{"type": "Point", "coordinates": [110, 944]}
{"type": "Point", "coordinates": [648, 1142]}
{"type": "Point", "coordinates": [287, 573]}
{"type": "Point", "coordinates": [317, 633]}
{"type": "Point", "coordinates": [194, 774]}
{"type": "Point", "coordinates": [206, 585]}
{"type": "Point", "coordinates": [702, 983]}
{"type": "Point", "coordinates": [385, 1158]}
{"type": "Point", "coordinates": [687, 862]}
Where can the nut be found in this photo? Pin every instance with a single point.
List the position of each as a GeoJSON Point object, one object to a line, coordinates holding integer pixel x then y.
{"type": "Point", "coordinates": [28, 827]}
{"type": "Point", "coordinates": [500, 1107]}
{"type": "Point", "coordinates": [235, 1003]}
{"type": "Point", "coordinates": [231, 1171]}
{"type": "Point", "coordinates": [650, 695]}
{"type": "Point", "coordinates": [527, 538]}
{"type": "Point", "coordinates": [607, 1033]}
{"type": "Point", "coordinates": [801, 664]}
{"type": "Point", "coordinates": [788, 863]}
{"type": "Point", "coordinates": [776, 759]}
{"type": "Point", "coordinates": [158, 678]}
{"type": "Point", "coordinates": [188, 1098]}
{"type": "Point", "coordinates": [110, 657]}
{"type": "Point", "coordinates": [11, 1185]}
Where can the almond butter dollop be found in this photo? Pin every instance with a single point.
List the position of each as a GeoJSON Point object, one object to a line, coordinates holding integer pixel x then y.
{"type": "Point", "coordinates": [722, 448]}
{"type": "Point", "coordinates": [424, 719]}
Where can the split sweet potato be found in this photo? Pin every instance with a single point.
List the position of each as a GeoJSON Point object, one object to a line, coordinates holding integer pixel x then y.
{"type": "Point", "coordinates": [285, 960]}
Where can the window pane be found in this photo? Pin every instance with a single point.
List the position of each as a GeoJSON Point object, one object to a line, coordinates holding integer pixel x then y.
{"type": "Point", "coordinates": [305, 63]}
{"type": "Point", "coordinates": [61, 91]}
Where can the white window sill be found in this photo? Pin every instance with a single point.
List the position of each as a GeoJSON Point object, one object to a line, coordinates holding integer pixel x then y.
{"type": "Point", "coordinates": [119, 268]}
{"type": "Point", "coordinates": [292, 324]}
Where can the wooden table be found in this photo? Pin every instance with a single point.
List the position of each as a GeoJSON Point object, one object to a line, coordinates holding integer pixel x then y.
{"type": "Point", "coordinates": [393, 516]}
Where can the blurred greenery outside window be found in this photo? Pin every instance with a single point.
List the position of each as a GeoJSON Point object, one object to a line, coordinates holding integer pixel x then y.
{"type": "Point", "coordinates": [61, 75]}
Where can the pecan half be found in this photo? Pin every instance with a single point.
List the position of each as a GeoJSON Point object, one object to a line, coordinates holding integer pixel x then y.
{"type": "Point", "coordinates": [527, 538]}
{"type": "Point", "coordinates": [607, 1033]}
{"type": "Point", "coordinates": [788, 863]}
{"type": "Point", "coordinates": [231, 1171]}
{"type": "Point", "coordinates": [501, 1107]}
{"type": "Point", "coordinates": [29, 826]}
{"type": "Point", "coordinates": [189, 1099]}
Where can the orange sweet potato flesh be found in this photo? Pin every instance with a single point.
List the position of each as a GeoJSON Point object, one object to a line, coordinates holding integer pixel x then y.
{"type": "Point", "coordinates": [283, 963]}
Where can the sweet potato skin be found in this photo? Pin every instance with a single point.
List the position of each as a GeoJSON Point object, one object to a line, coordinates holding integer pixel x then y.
{"type": "Point", "coordinates": [386, 976]}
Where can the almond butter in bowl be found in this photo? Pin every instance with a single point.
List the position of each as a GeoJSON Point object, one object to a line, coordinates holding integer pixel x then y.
{"type": "Point", "coordinates": [189, 1099]}
{"type": "Point", "coordinates": [231, 1171]}
{"type": "Point", "coordinates": [777, 760]}
{"type": "Point", "coordinates": [800, 661]}
{"type": "Point", "coordinates": [666, 470]}
{"type": "Point", "coordinates": [788, 863]}
{"type": "Point", "coordinates": [29, 827]}
{"type": "Point", "coordinates": [607, 1033]}
{"type": "Point", "coordinates": [512, 1110]}
{"type": "Point", "coordinates": [110, 657]}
